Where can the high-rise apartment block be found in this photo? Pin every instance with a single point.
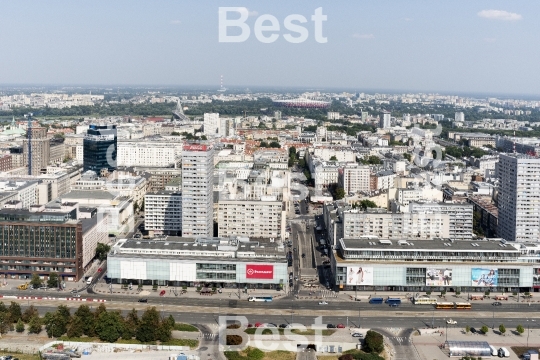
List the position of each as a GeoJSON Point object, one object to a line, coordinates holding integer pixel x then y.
{"type": "Point", "coordinates": [40, 150]}
{"type": "Point", "coordinates": [211, 125]}
{"type": "Point", "coordinates": [197, 190]}
{"type": "Point", "coordinates": [459, 117]}
{"type": "Point", "coordinates": [519, 198]}
{"type": "Point", "coordinates": [163, 212]}
{"type": "Point", "coordinates": [354, 178]}
{"type": "Point", "coordinates": [384, 122]}
{"type": "Point", "coordinates": [99, 148]}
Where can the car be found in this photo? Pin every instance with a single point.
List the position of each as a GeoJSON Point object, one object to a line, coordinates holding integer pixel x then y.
{"type": "Point", "coordinates": [303, 255]}
{"type": "Point", "coordinates": [137, 236]}
{"type": "Point", "coordinates": [393, 305]}
{"type": "Point", "coordinates": [77, 295]}
{"type": "Point", "coordinates": [144, 300]}
{"type": "Point", "coordinates": [99, 270]}
{"type": "Point", "coordinates": [258, 324]}
{"type": "Point", "coordinates": [249, 325]}
{"type": "Point", "coordinates": [473, 331]}
{"type": "Point", "coordinates": [496, 303]}
{"type": "Point", "coordinates": [270, 325]}
{"type": "Point", "coordinates": [340, 326]}
{"type": "Point", "coordinates": [330, 326]}
{"type": "Point", "coordinates": [323, 303]}
{"type": "Point", "coordinates": [283, 326]}
{"type": "Point", "coordinates": [74, 291]}
{"type": "Point", "coordinates": [296, 278]}
{"type": "Point", "coordinates": [451, 322]}
{"type": "Point", "coordinates": [358, 335]}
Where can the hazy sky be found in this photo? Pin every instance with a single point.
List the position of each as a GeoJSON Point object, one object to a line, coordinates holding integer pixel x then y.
{"type": "Point", "coordinates": [448, 46]}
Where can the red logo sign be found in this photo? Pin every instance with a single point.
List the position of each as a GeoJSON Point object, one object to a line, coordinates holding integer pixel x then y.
{"type": "Point", "coordinates": [259, 271]}
{"type": "Point", "coordinates": [195, 147]}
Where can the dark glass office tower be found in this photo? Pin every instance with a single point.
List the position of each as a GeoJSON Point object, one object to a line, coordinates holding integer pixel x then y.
{"type": "Point", "coordinates": [99, 148]}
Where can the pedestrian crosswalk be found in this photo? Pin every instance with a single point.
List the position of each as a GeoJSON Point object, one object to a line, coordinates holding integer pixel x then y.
{"type": "Point", "coordinates": [401, 340]}
{"type": "Point", "coordinates": [209, 336]}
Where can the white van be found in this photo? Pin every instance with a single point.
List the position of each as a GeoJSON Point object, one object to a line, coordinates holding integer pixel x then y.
{"type": "Point", "coordinates": [503, 352]}
{"type": "Point", "coordinates": [494, 351]}
{"type": "Point", "coordinates": [89, 281]}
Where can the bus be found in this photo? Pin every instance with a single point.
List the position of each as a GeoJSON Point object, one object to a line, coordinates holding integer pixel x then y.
{"type": "Point", "coordinates": [425, 301]}
{"type": "Point", "coordinates": [376, 300]}
{"type": "Point", "coordinates": [463, 306]}
{"type": "Point", "coordinates": [444, 305]}
{"type": "Point", "coordinates": [392, 301]}
{"type": "Point", "coordinates": [260, 298]}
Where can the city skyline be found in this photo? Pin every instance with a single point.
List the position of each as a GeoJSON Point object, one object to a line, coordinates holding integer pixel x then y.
{"type": "Point", "coordinates": [480, 47]}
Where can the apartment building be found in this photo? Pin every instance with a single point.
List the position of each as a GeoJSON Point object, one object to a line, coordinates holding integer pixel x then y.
{"type": "Point", "coordinates": [263, 218]}
{"type": "Point", "coordinates": [148, 153]}
{"type": "Point", "coordinates": [519, 198]}
{"type": "Point", "coordinates": [163, 212]}
{"type": "Point", "coordinates": [197, 190]}
{"type": "Point", "coordinates": [354, 178]}
{"type": "Point", "coordinates": [460, 216]}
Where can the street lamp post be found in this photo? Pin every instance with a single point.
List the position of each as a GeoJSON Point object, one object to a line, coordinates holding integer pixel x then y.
{"type": "Point", "coordinates": [433, 319]}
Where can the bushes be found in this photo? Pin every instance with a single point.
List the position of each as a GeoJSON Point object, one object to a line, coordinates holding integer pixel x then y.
{"type": "Point", "coordinates": [359, 355]}
{"type": "Point", "coordinates": [251, 354]}
{"type": "Point", "coordinates": [374, 342]}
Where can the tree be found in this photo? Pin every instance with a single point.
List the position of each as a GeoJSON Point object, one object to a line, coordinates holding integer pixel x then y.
{"type": "Point", "coordinates": [36, 281]}
{"type": "Point", "coordinates": [29, 313]}
{"type": "Point", "coordinates": [100, 309]}
{"type": "Point", "coordinates": [520, 329]}
{"type": "Point", "coordinates": [340, 193]}
{"type": "Point", "coordinates": [502, 329]}
{"type": "Point", "coordinates": [484, 329]}
{"type": "Point", "coordinates": [20, 326]}
{"type": "Point", "coordinates": [75, 328]}
{"type": "Point", "coordinates": [164, 331]}
{"type": "Point", "coordinates": [149, 325]}
{"type": "Point", "coordinates": [14, 312]}
{"type": "Point", "coordinates": [4, 322]}
{"type": "Point", "coordinates": [131, 323]}
{"type": "Point", "coordinates": [64, 312]}
{"type": "Point", "coordinates": [109, 326]}
{"type": "Point", "coordinates": [292, 151]}
{"type": "Point", "coordinates": [333, 158]}
{"type": "Point", "coordinates": [53, 280]}
{"type": "Point", "coordinates": [374, 342]}
{"type": "Point", "coordinates": [103, 249]}
{"type": "Point", "coordinates": [467, 329]}
{"type": "Point", "coordinates": [407, 156]}
{"type": "Point", "coordinates": [275, 144]}
{"type": "Point", "coordinates": [87, 318]}
{"type": "Point", "coordinates": [56, 326]}
{"type": "Point", "coordinates": [34, 326]}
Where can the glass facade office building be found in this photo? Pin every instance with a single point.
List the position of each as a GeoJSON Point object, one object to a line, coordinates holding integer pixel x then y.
{"type": "Point", "coordinates": [100, 147]}
{"type": "Point", "coordinates": [41, 243]}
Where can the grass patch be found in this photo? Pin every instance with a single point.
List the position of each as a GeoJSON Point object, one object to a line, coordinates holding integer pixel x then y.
{"type": "Point", "coordinates": [359, 354]}
{"type": "Point", "coordinates": [182, 342]}
{"type": "Point", "coordinates": [185, 327]}
{"type": "Point", "coordinates": [80, 339]}
{"type": "Point", "coordinates": [307, 332]}
{"type": "Point", "coordinates": [252, 331]}
{"type": "Point", "coordinates": [20, 356]}
{"type": "Point", "coordinates": [279, 355]}
{"type": "Point", "coordinates": [247, 354]}
{"type": "Point", "coordinates": [133, 341]}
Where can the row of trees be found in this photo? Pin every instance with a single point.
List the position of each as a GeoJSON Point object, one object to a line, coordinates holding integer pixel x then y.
{"type": "Point", "coordinates": [502, 329]}
{"type": "Point", "coordinates": [459, 152]}
{"type": "Point", "coordinates": [102, 323]}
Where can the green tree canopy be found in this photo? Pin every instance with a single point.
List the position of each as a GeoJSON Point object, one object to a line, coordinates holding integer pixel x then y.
{"type": "Point", "coordinates": [102, 250]}
{"type": "Point", "coordinates": [87, 319]}
{"type": "Point", "coordinates": [109, 326]}
{"type": "Point", "coordinates": [36, 281]}
{"type": "Point", "coordinates": [53, 280]}
{"type": "Point", "coordinates": [149, 326]}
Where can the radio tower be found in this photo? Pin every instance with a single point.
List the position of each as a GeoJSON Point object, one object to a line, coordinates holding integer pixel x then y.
{"type": "Point", "coordinates": [221, 88]}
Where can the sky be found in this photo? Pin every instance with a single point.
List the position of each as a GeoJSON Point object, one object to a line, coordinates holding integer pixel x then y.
{"type": "Point", "coordinates": [432, 46]}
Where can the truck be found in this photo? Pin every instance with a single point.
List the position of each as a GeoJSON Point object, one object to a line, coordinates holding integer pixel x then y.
{"type": "Point", "coordinates": [376, 300]}
{"type": "Point", "coordinates": [23, 286]}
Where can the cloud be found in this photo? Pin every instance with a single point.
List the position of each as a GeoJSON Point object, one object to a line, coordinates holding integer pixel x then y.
{"type": "Point", "coordinates": [363, 36]}
{"type": "Point", "coordinates": [499, 15]}
{"type": "Point", "coordinates": [490, 40]}
{"type": "Point", "coordinates": [175, 22]}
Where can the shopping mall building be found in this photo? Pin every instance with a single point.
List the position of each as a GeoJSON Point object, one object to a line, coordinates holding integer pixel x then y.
{"type": "Point", "coordinates": [237, 262]}
{"type": "Point", "coordinates": [439, 264]}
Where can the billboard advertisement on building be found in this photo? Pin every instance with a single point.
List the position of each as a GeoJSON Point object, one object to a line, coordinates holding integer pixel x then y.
{"type": "Point", "coordinates": [357, 275]}
{"type": "Point", "coordinates": [438, 277]}
{"type": "Point", "coordinates": [257, 271]}
{"type": "Point", "coordinates": [484, 277]}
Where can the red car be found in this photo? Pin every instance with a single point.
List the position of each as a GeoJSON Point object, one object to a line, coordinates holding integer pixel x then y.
{"type": "Point", "coordinates": [99, 270]}
{"type": "Point", "coordinates": [340, 326]}
{"type": "Point", "coordinates": [259, 324]}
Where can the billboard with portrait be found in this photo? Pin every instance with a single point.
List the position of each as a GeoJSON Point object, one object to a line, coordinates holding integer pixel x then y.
{"type": "Point", "coordinates": [359, 275]}
{"type": "Point", "coordinates": [438, 277]}
{"type": "Point", "coordinates": [484, 277]}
